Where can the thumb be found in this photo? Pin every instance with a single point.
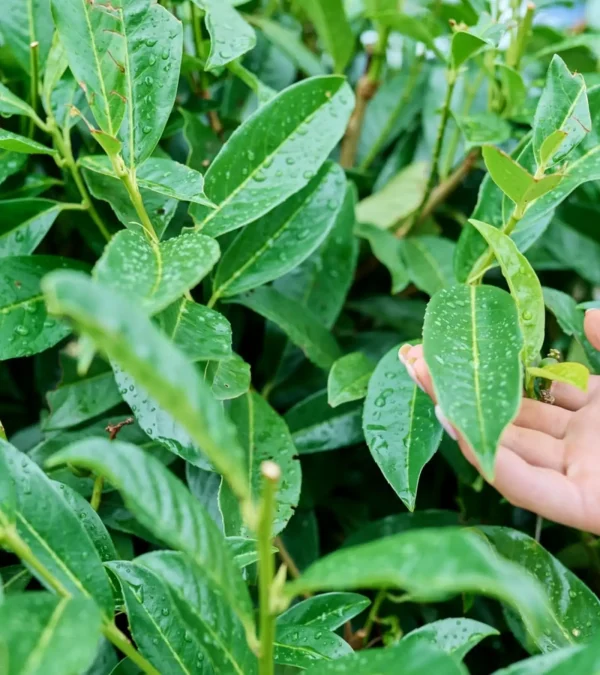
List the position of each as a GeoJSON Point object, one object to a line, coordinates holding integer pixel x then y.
{"type": "Point", "coordinates": [592, 327]}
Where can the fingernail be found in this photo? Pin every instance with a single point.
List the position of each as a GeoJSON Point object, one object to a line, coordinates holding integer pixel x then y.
{"type": "Point", "coordinates": [591, 309]}
{"type": "Point", "coordinates": [448, 428]}
{"type": "Point", "coordinates": [409, 367]}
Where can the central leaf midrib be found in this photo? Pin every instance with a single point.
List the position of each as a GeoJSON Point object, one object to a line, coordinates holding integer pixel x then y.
{"type": "Point", "coordinates": [34, 658]}
{"type": "Point", "coordinates": [476, 383]}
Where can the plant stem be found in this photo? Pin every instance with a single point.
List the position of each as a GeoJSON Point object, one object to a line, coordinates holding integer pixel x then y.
{"type": "Point", "coordinates": [63, 145]}
{"type": "Point", "coordinates": [437, 149]}
{"type": "Point", "coordinates": [271, 474]}
{"type": "Point", "coordinates": [271, 7]}
{"type": "Point", "coordinates": [368, 627]}
{"type": "Point", "coordinates": [365, 90]}
{"type": "Point", "coordinates": [97, 492]}
{"type": "Point", "coordinates": [112, 633]}
{"type": "Point", "coordinates": [33, 85]}
{"type": "Point", "coordinates": [129, 181]}
{"type": "Point", "coordinates": [517, 46]}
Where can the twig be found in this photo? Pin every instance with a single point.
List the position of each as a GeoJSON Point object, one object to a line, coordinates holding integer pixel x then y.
{"type": "Point", "coordinates": [113, 430]}
{"type": "Point", "coordinates": [365, 90]}
{"type": "Point", "coordinates": [287, 559]}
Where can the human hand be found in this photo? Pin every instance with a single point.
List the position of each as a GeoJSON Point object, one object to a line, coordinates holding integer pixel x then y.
{"type": "Point", "coordinates": [548, 460]}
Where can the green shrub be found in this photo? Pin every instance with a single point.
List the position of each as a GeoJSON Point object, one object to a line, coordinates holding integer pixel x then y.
{"type": "Point", "coordinates": [219, 219]}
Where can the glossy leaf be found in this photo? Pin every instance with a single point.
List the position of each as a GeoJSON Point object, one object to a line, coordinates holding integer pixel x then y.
{"type": "Point", "coordinates": [54, 533]}
{"type": "Point", "coordinates": [400, 426]}
{"type": "Point", "coordinates": [562, 107]}
{"type": "Point", "coordinates": [265, 437]}
{"type": "Point", "coordinates": [331, 24]}
{"type": "Point", "coordinates": [454, 636]}
{"type": "Point", "coordinates": [18, 143]}
{"type": "Point", "coordinates": [570, 319]}
{"type": "Point", "coordinates": [10, 162]}
{"type": "Point", "coordinates": [302, 646]}
{"type": "Point", "coordinates": [202, 609]}
{"type": "Point", "coordinates": [467, 42]}
{"type": "Point", "coordinates": [23, 22]}
{"type": "Point", "coordinates": [231, 37]}
{"type": "Point", "coordinates": [157, 626]}
{"type": "Point", "coordinates": [156, 274]}
{"type": "Point", "coordinates": [322, 281]}
{"type": "Point", "coordinates": [10, 104]}
{"type": "Point", "coordinates": [430, 565]}
{"type": "Point", "coordinates": [349, 378]}
{"type": "Point", "coordinates": [158, 500]}
{"type": "Point", "coordinates": [327, 611]}
{"type": "Point", "coordinates": [25, 327]}
{"type": "Point", "coordinates": [281, 240]}
{"type": "Point", "coordinates": [97, 54]}
{"type": "Point", "coordinates": [275, 153]}
{"type": "Point", "coordinates": [415, 659]}
{"type": "Point", "coordinates": [509, 176]}
{"type": "Point", "coordinates": [429, 262]}
{"type": "Point", "coordinates": [48, 635]}
{"type": "Point", "coordinates": [200, 332]}
{"type": "Point", "coordinates": [389, 250]}
{"type": "Point", "coordinates": [126, 336]}
{"type": "Point", "coordinates": [472, 343]}
{"type": "Point", "coordinates": [154, 43]}
{"type": "Point", "coordinates": [230, 377]}
{"type": "Point", "coordinates": [303, 329]}
{"type": "Point", "coordinates": [524, 286]}
{"type": "Point", "coordinates": [559, 662]}
{"type": "Point", "coordinates": [574, 374]}
{"type": "Point", "coordinates": [483, 128]}
{"type": "Point", "coordinates": [25, 223]}
{"type": "Point", "coordinates": [162, 176]}
{"type": "Point", "coordinates": [575, 615]}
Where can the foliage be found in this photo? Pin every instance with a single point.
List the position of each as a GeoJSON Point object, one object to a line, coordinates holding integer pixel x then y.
{"type": "Point", "coordinates": [220, 220]}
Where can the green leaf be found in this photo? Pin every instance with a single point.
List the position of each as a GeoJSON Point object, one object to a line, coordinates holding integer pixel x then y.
{"type": "Point", "coordinates": [25, 222]}
{"type": "Point", "coordinates": [278, 242]}
{"type": "Point", "coordinates": [323, 280]}
{"type": "Point", "coordinates": [349, 378]}
{"type": "Point", "coordinates": [160, 632]}
{"type": "Point", "coordinates": [563, 107]}
{"type": "Point", "coordinates": [96, 48]}
{"type": "Point", "coordinates": [25, 327]}
{"type": "Point", "coordinates": [201, 333]}
{"type": "Point", "coordinates": [400, 426]}
{"type": "Point", "coordinates": [467, 43]}
{"type": "Point", "coordinates": [275, 153]}
{"type": "Point", "coordinates": [430, 565]}
{"type": "Point", "coordinates": [575, 609]}
{"type": "Point", "coordinates": [560, 662]}
{"type": "Point", "coordinates": [302, 328]}
{"type": "Point", "coordinates": [333, 29]}
{"type": "Point", "coordinates": [23, 22]}
{"type": "Point", "coordinates": [570, 319]}
{"type": "Point", "coordinates": [574, 374]}
{"type": "Point", "coordinates": [265, 437]}
{"type": "Point", "coordinates": [415, 660]}
{"type": "Point", "coordinates": [327, 611]}
{"type": "Point", "coordinates": [290, 43]}
{"type": "Point", "coordinates": [48, 635]}
{"type": "Point", "coordinates": [398, 199]}
{"type": "Point", "coordinates": [8, 492]}
{"type": "Point", "coordinates": [421, 27]}
{"type": "Point", "coordinates": [165, 507]}
{"type": "Point", "coordinates": [389, 250]}
{"type": "Point", "coordinates": [78, 399]}
{"type": "Point", "coordinates": [156, 274]}
{"type": "Point", "coordinates": [202, 609]}
{"type": "Point", "coordinates": [510, 177]}
{"type": "Point", "coordinates": [18, 143]}
{"type": "Point", "coordinates": [54, 533]}
{"type": "Point", "coordinates": [316, 426]}
{"type": "Point", "coordinates": [483, 128]}
{"type": "Point", "coordinates": [160, 175]}
{"type": "Point", "coordinates": [10, 104]}
{"type": "Point", "coordinates": [10, 163]}
{"type": "Point", "coordinates": [230, 36]}
{"type": "Point", "coordinates": [124, 333]}
{"type": "Point", "coordinates": [524, 285]}
{"type": "Point", "coordinates": [301, 646]}
{"type": "Point", "coordinates": [230, 377]}
{"type": "Point", "coordinates": [429, 262]}
{"type": "Point", "coordinates": [15, 579]}
{"type": "Point", "coordinates": [454, 636]}
{"type": "Point", "coordinates": [472, 343]}
{"type": "Point", "coordinates": [153, 44]}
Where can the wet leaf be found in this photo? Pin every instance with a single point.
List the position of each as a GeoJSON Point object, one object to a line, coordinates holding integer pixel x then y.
{"type": "Point", "coordinates": [302, 646]}
{"type": "Point", "coordinates": [574, 374]}
{"type": "Point", "coordinates": [327, 611]}
{"type": "Point", "coordinates": [349, 378]}
{"type": "Point", "coordinates": [389, 250]}
{"type": "Point", "coordinates": [25, 223]}
{"type": "Point", "coordinates": [23, 22]}
{"type": "Point", "coordinates": [429, 262]}
{"type": "Point", "coordinates": [331, 24]}
{"type": "Point", "coordinates": [230, 377]}
{"type": "Point", "coordinates": [22, 144]}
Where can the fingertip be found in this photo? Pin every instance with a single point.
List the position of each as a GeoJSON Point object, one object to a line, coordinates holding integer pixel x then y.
{"type": "Point", "coordinates": [591, 326]}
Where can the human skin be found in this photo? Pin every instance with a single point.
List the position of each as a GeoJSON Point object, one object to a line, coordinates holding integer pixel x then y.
{"type": "Point", "coordinates": [548, 460]}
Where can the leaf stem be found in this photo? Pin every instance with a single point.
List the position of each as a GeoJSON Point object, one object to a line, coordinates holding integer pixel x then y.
{"type": "Point", "coordinates": [517, 46]}
{"type": "Point", "coordinates": [120, 641]}
{"type": "Point", "coordinates": [368, 627]}
{"type": "Point", "coordinates": [34, 64]}
{"type": "Point", "coordinates": [439, 141]}
{"type": "Point", "coordinates": [97, 492]}
{"type": "Point", "coordinates": [365, 90]}
{"type": "Point", "coordinates": [271, 474]}
{"type": "Point", "coordinates": [129, 180]}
